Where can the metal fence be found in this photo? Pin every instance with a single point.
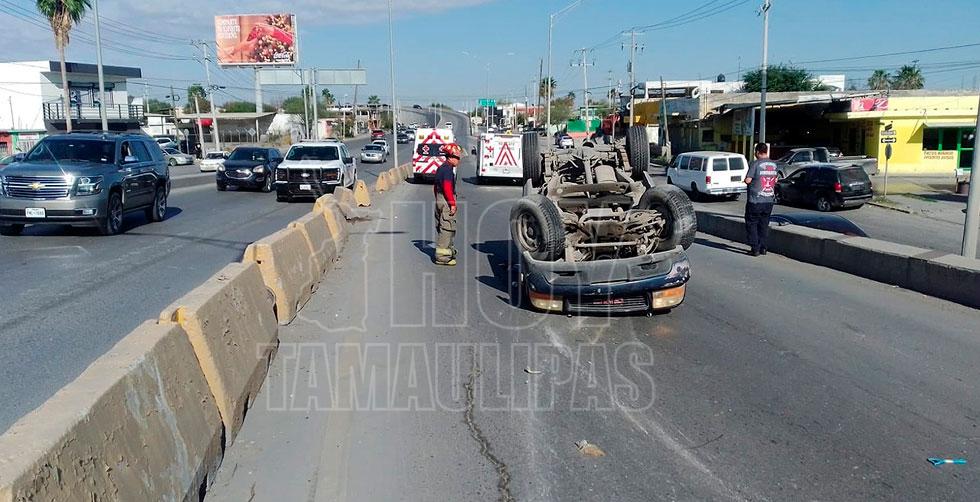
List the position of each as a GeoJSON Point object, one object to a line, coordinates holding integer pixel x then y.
{"type": "Point", "coordinates": [55, 111]}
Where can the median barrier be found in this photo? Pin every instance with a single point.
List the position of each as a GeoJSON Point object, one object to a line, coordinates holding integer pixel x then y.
{"type": "Point", "coordinates": [407, 171]}
{"type": "Point", "coordinates": [880, 261]}
{"type": "Point", "coordinates": [345, 195]}
{"type": "Point", "coordinates": [230, 321]}
{"type": "Point", "coordinates": [323, 250]}
{"type": "Point", "coordinates": [140, 423]}
{"type": "Point", "coordinates": [952, 277]}
{"type": "Point", "coordinates": [288, 271]}
{"type": "Point", "coordinates": [801, 243]}
{"type": "Point", "coordinates": [724, 226]}
{"type": "Point", "coordinates": [394, 176]}
{"type": "Point", "coordinates": [328, 206]}
{"type": "Point", "coordinates": [362, 197]}
{"type": "Point", "coordinates": [383, 184]}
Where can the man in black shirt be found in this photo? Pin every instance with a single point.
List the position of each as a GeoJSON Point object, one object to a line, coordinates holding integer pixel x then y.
{"type": "Point", "coordinates": [761, 181]}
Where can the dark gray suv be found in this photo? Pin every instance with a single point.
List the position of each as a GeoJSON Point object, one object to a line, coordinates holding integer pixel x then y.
{"type": "Point", "coordinates": [85, 179]}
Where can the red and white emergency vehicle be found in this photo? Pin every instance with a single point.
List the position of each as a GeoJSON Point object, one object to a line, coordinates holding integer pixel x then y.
{"type": "Point", "coordinates": [499, 156]}
{"type": "Point", "coordinates": [427, 155]}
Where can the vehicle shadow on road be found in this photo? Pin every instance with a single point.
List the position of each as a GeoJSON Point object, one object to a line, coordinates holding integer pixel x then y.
{"type": "Point", "coordinates": [131, 221]}
{"type": "Point", "coordinates": [719, 245]}
{"type": "Point", "coordinates": [501, 258]}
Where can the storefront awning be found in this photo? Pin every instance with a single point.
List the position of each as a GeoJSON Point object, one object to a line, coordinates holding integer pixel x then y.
{"type": "Point", "coordinates": [950, 123]}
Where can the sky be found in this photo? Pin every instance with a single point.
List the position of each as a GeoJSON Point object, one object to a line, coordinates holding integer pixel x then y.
{"type": "Point", "coordinates": [443, 47]}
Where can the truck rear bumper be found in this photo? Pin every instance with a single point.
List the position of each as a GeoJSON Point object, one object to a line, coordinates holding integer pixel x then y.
{"type": "Point", "coordinates": [640, 284]}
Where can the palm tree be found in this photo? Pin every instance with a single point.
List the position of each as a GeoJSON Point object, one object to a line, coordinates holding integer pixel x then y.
{"type": "Point", "coordinates": [374, 100]}
{"type": "Point", "coordinates": [543, 87]}
{"type": "Point", "coordinates": [909, 77]}
{"type": "Point", "coordinates": [63, 15]}
{"type": "Point", "coordinates": [880, 80]}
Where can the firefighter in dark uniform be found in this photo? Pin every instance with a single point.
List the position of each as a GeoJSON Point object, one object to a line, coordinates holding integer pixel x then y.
{"type": "Point", "coordinates": [444, 190]}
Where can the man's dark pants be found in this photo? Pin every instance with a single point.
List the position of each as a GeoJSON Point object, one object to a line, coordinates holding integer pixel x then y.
{"type": "Point", "coordinates": [757, 224]}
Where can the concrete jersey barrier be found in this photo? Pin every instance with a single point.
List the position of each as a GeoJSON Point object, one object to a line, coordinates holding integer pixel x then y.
{"type": "Point", "coordinates": [140, 423]}
{"type": "Point", "coordinates": [383, 184]}
{"type": "Point", "coordinates": [287, 268]}
{"type": "Point", "coordinates": [231, 324]}
{"type": "Point", "coordinates": [934, 273]}
{"type": "Point", "coordinates": [323, 250]}
{"type": "Point", "coordinates": [328, 206]}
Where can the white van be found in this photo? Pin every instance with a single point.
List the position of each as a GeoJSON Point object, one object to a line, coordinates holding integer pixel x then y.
{"type": "Point", "coordinates": [709, 173]}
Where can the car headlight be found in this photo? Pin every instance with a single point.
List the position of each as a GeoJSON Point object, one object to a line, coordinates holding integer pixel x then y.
{"type": "Point", "coordinates": [281, 174]}
{"type": "Point", "coordinates": [3, 185]}
{"type": "Point", "coordinates": [258, 170]}
{"type": "Point", "coordinates": [88, 185]}
{"type": "Point", "coordinates": [221, 168]}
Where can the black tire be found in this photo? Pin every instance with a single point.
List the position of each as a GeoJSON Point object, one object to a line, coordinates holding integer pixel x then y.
{"type": "Point", "coordinates": [677, 209]}
{"type": "Point", "coordinates": [222, 187]}
{"type": "Point", "coordinates": [172, 162]}
{"type": "Point", "coordinates": [11, 230]}
{"type": "Point", "coordinates": [112, 222]}
{"type": "Point", "coordinates": [158, 211]}
{"type": "Point", "coordinates": [695, 193]}
{"type": "Point", "coordinates": [824, 204]}
{"type": "Point", "coordinates": [536, 227]}
{"type": "Point", "coordinates": [638, 150]}
{"type": "Point", "coordinates": [267, 186]}
{"type": "Point", "coordinates": [417, 179]}
{"type": "Point", "coordinates": [531, 151]}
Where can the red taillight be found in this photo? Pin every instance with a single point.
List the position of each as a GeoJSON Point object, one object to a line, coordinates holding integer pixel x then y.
{"type": "Point", "coordinates": [707, 179]}
{"type": "Point", "coordinates": [838, 188]}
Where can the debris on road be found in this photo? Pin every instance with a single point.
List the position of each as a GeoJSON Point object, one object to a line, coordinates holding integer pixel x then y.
{"type": "Point", "coordinates": [529, 371]}
{"type": "Point", "coordinates": [940, 461]}
{"type": "Point", "coordinates": [590, 449]}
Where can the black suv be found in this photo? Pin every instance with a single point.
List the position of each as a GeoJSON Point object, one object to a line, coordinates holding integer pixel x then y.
{"type": "Point", "coordinates": [85, 179]}
{"type": "Point", "coordinates": [826, 186]}
{"type": "Point", "coordinates": [249, 167]}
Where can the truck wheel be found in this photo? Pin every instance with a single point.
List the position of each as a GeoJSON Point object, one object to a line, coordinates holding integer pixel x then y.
{"type": "Point", "coordinates": [11, 230]}
{"type": "Point", "coordinates": [222, 187]}
{"type": "Point", "coordinates": [531, 151]}
{"type": "Point", "coordinates": [536, 227]}
{"type": "Point", "coordinates": [677, 210]}
{"type": "Point", "coordinates": [638, 150]}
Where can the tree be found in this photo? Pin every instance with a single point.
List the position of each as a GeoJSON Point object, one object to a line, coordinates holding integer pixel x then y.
{"type": "Point", "coordinates": [63, 15]}
{"type": "Point", "coordinates": [374, 100]}
{"type": "Point", "coordinates": [294, 105]}
{"type": "Point", "coordinates": [328, 97]}
{"type": "Point", "coordinates": [909, 77]}
{"type": "Point", "coordinates": [562, 109]}
{"type": "Point", "coordinates": [238, 107]}
{"type": "Point", "coordinates": [879, 80]}
{"type": "Point", "coordinates": [782, 78]}
{"type": "Point", "coordinates": [543, 87]}
{"type": "Point", "coordinates": [157, 106]}
{"type": "Point", "coordinates": [202, 99]}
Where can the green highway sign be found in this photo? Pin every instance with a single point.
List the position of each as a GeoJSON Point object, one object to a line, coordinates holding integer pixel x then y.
{"type": "Point", "coordinates": [492, 103]}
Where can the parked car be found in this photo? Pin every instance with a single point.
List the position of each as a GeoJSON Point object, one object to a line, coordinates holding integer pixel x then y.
{"type": "Point", "coordinates": [374, 153]}
{"type": "Point", "coordinates": [403, 137]}
{"type": "Point", "coordinates": [249, 167]}
{"type": "Point", "coordinates": [828, 222]}
{"type": "Point", "coordinates": [826, 187]}
{"type": "Point", "coordinates": [377, 134]}
{"type": "Point", "coordinates": [797, 158]}
{"type": "Point", "coordinates": [10, 159]}
{"type": "Point", "coordinates": [165, 142]}
{"type": "Point", "coordinates": [212, 160]}
{"type": "Point", "coordinates": [709, 173]}
{"type": "Point", "coordinates": [175, 158]}
{"type": "Point", "coordinates": [312, 169]}
{"type": "Point", "coordinates": [85, 179]}
{"type": "Point", "coordinates": [564, 141]}
{"type": "Point", "coordinates": [383, 144]}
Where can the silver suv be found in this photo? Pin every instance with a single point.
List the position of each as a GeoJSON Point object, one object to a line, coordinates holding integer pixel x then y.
{"type": "Point", "coordinates": [85, 179]}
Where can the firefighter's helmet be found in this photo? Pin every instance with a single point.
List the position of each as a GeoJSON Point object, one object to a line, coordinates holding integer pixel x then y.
{"type": "Point", "coordinates": [452, 150]}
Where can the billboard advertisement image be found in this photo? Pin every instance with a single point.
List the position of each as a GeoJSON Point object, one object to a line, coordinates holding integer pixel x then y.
{"type": "Point", "coordinates": [256, 39]}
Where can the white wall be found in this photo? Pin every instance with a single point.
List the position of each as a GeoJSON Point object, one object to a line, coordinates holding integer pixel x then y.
{"type": "Point", "coordinates": [21, 96]}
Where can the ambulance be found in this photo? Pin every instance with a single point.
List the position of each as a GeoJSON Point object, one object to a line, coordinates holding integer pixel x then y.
{"type": "Point", "coordinates": [427, 156]}
{"type": "Point", "coordinates": [499, 156]}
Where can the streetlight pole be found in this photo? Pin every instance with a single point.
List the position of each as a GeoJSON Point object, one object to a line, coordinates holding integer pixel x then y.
{"type": "Point", "coordinates": [973, 201]}
{"type": "Point", "coordinates": [765, 69]}
{"type": "Point", "coordinates": [551, 28]}
{"type": "Point", "coordinates": [98, 61]}
{"type": "Point", "coordinates": [214, 117]}
{"type": "Point", "coordinates": [391, 55]}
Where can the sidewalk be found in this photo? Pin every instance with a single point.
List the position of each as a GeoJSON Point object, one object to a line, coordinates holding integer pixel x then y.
{"type": "Point", "coordinates": [930, 197]}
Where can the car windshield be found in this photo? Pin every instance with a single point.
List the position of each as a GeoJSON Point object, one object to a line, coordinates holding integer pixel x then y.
{"type": "Point", "coordinates": [373, 148]}
{"type": "Point", "coordinates": [313, 153]}
{"type": "Point", "coordinates": [853, 175]}
{"type": "Point", "coordinates": [248, 154]}
{"type": "Point", "coordinates": [216, 155]}
{"type": "Point", "coordinates": [73, 150]}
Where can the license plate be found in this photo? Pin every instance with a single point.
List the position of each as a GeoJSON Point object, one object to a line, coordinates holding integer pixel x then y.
{"type": "Point", "coordinates": [34, 212]}
{"type": "Point", "coordinates": [306, 187]}
{"type": "Point", "coordinates": [736, 178]}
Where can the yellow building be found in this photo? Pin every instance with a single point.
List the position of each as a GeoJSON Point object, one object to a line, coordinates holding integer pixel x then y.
{"type": "Point", "coordinates": [933, 131]}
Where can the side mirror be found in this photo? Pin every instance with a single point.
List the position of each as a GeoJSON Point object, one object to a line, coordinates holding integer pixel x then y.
{"type": "Point", "coordinates": [129, 159]}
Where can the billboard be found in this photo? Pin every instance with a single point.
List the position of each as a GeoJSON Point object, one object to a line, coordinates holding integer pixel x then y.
{"type": "Point", "coordinates": [256, 39]}
{"type": "Point", "coordinates": [869, 104]}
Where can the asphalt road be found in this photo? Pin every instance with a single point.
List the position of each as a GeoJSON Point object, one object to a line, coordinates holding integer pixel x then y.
{"type": "Point", "coordinates": [67, 295]}
{"type": "Point", "coordinates": [775, 380]}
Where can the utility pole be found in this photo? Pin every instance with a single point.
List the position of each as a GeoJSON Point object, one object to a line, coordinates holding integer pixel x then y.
{"type": "Point", "coordinates": [665, 133]}
{"type": "Point", "coordinates": [540, 79]}
{"type": "Point", "coordinates": [174, 98]}
{"type": "Point", "coordinates": [551, 28]}
{"type": "Point", "coordinates": [258, 92]}
{"type": "Point", "coordinates": [200, 130]}
{"type": "Point", "coordinates": [766, 5]}
{"type": "Point", "coordinates": [585, 79]}
{"type": "Point", "coordinates": [970, 226]}
{"type": "Point", "coordinates": [316, 105]}
{"type": "Point", "coordinates": [631, 69]}
{"type": "Point", "coordinates": [211, 88]}
{"type": "Point", "coordinates": [394, 100]}
{"type": "Point", "coordinates": [355, 102]}
{"type": "Point", "coordinates": [98, 63]}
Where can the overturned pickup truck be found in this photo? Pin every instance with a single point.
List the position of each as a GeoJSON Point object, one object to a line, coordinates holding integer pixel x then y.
{"type": "Point", "coordinates": [594, 233]}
